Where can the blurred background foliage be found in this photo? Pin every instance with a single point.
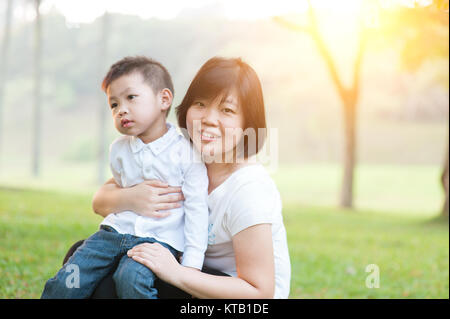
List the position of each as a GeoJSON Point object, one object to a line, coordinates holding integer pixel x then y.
{"type": "Point", "coordinates": [53, 160]}
{"type": "Point", "coordinates": [402, 116]}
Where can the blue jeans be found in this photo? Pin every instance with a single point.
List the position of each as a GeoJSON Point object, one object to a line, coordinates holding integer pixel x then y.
{"type": "Point", "coordinates": [95, 259]}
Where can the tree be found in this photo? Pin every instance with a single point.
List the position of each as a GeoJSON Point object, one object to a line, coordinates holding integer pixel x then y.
{"type": "Point", "coordinates": [103, 54]}
{"type": "Point", "coordinates": [423, 33]}
{"type": "Point", "coordinates": [37, 92]}
{"type": "Point", "coordinates": [421, 42]}
{"type": "Point", "coordinates": [4, 61]}
{"type": "Point", "coordinates": [348, 95]}
{"type": "Point", "coordinates": [444, 182]}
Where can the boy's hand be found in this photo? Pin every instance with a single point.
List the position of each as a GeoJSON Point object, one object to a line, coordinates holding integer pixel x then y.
{"type": "Point", "coordinates": [151, 197]}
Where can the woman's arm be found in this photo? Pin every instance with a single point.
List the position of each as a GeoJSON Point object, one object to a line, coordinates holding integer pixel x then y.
{"type": "Point", "coordinates": [254, 261]}
{"type": "Point", "coordinates": [146, 198]}
{"type": "Point", "coordinates": [107, 198]}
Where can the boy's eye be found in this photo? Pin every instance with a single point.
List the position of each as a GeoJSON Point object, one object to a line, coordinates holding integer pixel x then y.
{"type": "Point", "coordinates": [113, 105]}
{"type": "Point", "coordinates": [131, 96]}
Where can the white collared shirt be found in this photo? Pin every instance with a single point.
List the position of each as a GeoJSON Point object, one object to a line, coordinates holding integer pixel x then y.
{"type": "Point", "coordinates": [170, 159]}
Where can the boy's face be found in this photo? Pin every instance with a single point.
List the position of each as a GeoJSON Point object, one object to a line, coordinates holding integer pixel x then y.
{"type": "Point", "coordinates": [135, 108]}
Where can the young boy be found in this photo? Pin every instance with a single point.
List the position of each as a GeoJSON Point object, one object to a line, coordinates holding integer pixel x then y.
{"type": "Point", "coordinates": [140, 94]}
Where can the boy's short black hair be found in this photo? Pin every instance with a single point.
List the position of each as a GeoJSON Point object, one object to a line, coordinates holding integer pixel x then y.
{"type": "Point", "coordinates": [153, 72]}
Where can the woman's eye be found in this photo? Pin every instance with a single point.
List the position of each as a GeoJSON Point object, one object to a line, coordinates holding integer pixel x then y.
{"type": "Point", "coordinates": [199, 104]}
{"type": "Point", "coordinates": [228, 110]}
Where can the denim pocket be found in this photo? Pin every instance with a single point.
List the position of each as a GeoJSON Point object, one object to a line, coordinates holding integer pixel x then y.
{"type": "Point", "coordinates": [108, 229]}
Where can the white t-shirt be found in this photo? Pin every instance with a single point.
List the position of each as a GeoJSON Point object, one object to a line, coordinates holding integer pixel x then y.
{"type": "Point", "coordinates": [247, 197]}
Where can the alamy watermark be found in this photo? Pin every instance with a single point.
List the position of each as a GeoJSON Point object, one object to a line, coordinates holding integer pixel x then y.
{"type": "Point", "coordinates": [232, 145]}
{"type": "Point", "coordinates": [373, 279]}
{"type": "Point", "coordinates": [73, 279]}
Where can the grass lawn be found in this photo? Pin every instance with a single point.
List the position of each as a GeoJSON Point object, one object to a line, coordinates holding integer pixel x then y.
{"type": "Point", "coordinates": [400, 189]}
{"type": "Point", "coordinates": [329, 248]}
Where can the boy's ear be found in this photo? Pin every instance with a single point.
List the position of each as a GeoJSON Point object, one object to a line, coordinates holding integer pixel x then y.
{"type": "Point", "coordinates": [166, 98]}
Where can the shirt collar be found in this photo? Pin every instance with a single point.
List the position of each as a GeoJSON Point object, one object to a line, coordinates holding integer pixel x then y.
{"type": "Point", "coordinates": [158, 145]}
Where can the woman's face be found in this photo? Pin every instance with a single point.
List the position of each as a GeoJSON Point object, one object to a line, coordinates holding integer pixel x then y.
{"type": "Point", "coordinates": [215, 126]}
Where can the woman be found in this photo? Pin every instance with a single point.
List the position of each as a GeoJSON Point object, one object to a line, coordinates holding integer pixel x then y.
{"type": "Point", "coordinates": [247, 238]}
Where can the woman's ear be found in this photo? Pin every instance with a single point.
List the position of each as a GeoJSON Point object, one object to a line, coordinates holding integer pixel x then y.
{"type": "Point", "coordinates": [166, 98]}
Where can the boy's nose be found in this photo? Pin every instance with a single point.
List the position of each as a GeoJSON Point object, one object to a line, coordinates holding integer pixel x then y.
{"type": "Point", "coordinates": [123, 110]}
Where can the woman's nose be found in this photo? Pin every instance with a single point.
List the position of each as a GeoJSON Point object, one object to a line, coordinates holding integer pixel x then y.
{"type": "Point", "coordinates": [210, 116]}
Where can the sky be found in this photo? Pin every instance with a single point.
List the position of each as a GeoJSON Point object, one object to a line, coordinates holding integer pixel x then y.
{"type": "Point", "coordinates": [86, 11]}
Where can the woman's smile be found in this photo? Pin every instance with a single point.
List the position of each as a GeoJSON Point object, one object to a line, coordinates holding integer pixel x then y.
{"type": "Point", "coordinates": [208, 137]}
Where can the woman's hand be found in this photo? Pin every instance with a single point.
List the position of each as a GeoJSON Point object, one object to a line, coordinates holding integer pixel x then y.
{"type": "Point", "coordinates": [148, 198]}
{"type": "Point", "coordinates": [158, 259]}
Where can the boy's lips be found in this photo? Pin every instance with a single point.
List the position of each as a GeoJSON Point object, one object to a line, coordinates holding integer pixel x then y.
{"type": "Point", "coordinates": [126, 123]}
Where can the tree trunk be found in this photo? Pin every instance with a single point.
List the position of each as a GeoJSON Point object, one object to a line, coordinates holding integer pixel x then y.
{"type": "Point", "coordinates": [444, 181]}
{"type": "Point", "coordinates": [36, 146]}
{"type": "Point", "coordinates": [102, 147]}
{"type": "Point", "coordinates": [349, 111]}
{"type": "Point", "coordinates": [4, 63]}
{"type": "Point", "coordinates": [348, 96]}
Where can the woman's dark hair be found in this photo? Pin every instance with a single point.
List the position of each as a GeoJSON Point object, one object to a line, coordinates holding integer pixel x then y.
{"type": "Point", "coordinates": [219, 76]}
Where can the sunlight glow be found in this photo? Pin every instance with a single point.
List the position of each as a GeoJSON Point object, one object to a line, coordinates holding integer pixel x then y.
{"type": "Point", "coordinates": [85, 11]}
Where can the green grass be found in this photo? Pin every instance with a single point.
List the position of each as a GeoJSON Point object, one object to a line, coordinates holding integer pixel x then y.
{"type": "Point", "coordinates": [400, 189]}
{"type": "Point", "coordinates": [329, 247]}
{"type": "Point", "coordinates": [36, 229]}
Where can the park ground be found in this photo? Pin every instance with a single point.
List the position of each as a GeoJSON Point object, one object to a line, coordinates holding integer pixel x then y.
{"type": "Point", "coordinates": [330, 247]}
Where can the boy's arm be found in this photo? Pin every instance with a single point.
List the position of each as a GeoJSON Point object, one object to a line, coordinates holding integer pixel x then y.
{"type": "Point", "coordinates": [195, 191]}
